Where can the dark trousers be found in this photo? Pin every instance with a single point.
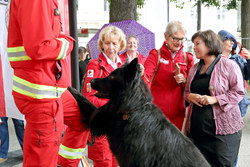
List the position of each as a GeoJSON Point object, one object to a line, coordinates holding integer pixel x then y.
{"type": "Point", "coordinates": [4, 137]}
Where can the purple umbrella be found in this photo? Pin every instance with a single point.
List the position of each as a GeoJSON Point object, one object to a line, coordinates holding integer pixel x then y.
{"type": "Point", "coordinates": [129, 27]}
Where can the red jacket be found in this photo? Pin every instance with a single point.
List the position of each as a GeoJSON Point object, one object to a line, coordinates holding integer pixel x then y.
{"type": "Point", "coordinates": [94, 71]}
{"type": "Point", "coordinates": [167, 94]}
{"type": "Point", "coordinates": [35, 47]}
{"type": "Point", "coordinates": [100, 150]}
{"type": "Point", "coordinates": [141, 58]}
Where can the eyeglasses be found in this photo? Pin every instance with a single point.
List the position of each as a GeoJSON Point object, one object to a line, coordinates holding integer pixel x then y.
{"type": "Point", "coordinates": [132, 43]}
{"type": "Point", "coordinates": [179, 39]}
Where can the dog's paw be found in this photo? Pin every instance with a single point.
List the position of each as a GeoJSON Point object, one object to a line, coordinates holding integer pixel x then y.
{"type": "Point", "coordinates": [86, 107]}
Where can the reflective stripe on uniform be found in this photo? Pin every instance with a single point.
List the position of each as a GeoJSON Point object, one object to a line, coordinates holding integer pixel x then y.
{"type": "Point", "coordinates": [35, 90]}
{"type": "Point", "coordinates": [71, 153]}
{"type": "Point", "coordinates": [17, 54]}
{"type": "Point", "coordinates": [64, 48]}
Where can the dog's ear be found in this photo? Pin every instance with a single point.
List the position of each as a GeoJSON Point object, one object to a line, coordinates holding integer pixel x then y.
{"type": "Point", "coordinates": [131, 69]}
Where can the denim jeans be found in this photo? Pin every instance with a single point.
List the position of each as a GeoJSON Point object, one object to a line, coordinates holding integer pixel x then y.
{"type": "Point", "coordinates": [4, 135]}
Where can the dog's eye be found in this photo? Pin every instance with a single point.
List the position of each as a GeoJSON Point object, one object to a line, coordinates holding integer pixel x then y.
{"type": "Point", "coordinates": [112, 77]}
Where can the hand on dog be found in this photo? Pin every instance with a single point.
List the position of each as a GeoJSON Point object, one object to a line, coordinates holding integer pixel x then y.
{"type": "Point", "coordinates": [179, 78]}
{"type": "Point", "coordinates": [141, 69]}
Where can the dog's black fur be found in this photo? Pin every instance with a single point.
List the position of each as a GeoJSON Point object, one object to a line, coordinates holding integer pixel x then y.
{"type": "Point", "coordinates": [138, 133]}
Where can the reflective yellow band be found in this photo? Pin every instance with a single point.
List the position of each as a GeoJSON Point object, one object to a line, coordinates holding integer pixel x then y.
{"type": "Point", "coordinates": [35, 90]}
{"type": "Point", "coordinates": [64, 48]}
{"type": "Point", "coordinates": [71, 153]}
{"type": "Point", "coordinates": [15, 49]}
{"type": "Point", "coordinates": [17, 54]}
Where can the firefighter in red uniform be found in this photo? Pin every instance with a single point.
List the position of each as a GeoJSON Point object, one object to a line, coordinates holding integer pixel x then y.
{"type": "Point", "coordinates": [167, 86]}
{"type": "Point", "coordinates": [37, 52]}
{"type": "Point", "coordinates": [111, 41]}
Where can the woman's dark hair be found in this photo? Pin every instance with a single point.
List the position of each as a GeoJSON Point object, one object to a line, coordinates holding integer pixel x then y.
{"type": "Point", "coordinates": [211, 40]}
{"type": "Point", "coordinates": [81, 50]}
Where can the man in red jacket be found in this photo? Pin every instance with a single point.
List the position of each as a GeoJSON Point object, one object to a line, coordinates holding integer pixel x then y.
{"type": "Point", "coordinates": [168, 83]}
{"type": "Point", "coordinates": [37, 52]}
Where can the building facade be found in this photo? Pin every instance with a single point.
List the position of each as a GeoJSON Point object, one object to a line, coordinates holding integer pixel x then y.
{"type": "Point", "coordinates": [155, 15]}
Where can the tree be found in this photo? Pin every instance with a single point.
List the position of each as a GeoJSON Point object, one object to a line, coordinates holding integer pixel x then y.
{"type": "Point", "coordinates": [198, 15]}
{"type": "Point", "coordinates": [245, 24]}
{"type": "Point", "coordinates": [231, 4]}
{"type": "Point", "coordinates": [124, 9]}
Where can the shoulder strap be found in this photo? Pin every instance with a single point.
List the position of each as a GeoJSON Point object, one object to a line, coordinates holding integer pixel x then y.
{"type": "Point", "coordinates": [156, 68]}
{"type": "Point", "coordinates": [100, 68]}
{"type": "Point", "coordinates": [185, 57]}
{"type": "Point", "coordinates": [101, 73]}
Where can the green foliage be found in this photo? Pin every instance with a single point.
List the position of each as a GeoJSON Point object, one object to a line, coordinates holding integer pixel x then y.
{"type": "Point", "coordinates": [178, 3]}
{"type": "Point", "coordinates": [231, 4]}
{"type": "Point", "coordinates": [140, 3]}
{"type": "Point", "coordinates": [138, 15]}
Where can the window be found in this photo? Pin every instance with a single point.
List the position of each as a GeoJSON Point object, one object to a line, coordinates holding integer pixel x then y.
{"type": "Point", "coordinates": [221, 11]}
{"type": "Point", "coordinates": [193, 13]}
{"type": "Point", "coordinates": [105, 5]}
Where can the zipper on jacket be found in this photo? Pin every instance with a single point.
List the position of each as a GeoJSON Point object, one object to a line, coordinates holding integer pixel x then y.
{"type": "Point", "coordinates": [39, 142]}
{"type": "Point", "coordinates": [58, 74]}
{"type": "Point", "coordinates": [171, 84]}
{"type": "Point", "coordinates": [56, 89]}
{"type": "Point", "coordinates": [55, 124]}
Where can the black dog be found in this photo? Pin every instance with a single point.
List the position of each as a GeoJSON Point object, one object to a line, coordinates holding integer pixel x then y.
{"type": "Point", "coordinates": [138, 133]}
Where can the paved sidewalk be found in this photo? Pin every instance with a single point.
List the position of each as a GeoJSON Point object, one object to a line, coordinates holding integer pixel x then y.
{"type": "Point", "coordinates": [15, 152]}
{"type": "Point", "coordinates": [244, 153]}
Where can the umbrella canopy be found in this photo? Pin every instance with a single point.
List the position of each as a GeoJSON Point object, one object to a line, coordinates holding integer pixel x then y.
{"type": "Point", "coordinates": [129, 27]}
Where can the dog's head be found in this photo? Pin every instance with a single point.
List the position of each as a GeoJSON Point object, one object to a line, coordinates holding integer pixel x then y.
{"type": "Point", "coordinates": [118, 81]}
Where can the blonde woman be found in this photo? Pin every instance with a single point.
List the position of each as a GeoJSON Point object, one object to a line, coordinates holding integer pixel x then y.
{"type": "Point", "coordinates": [111, 41]}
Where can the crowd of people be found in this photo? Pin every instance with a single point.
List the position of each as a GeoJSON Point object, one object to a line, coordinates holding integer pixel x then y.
{"type": "Point", "coordinates": [213, 89]}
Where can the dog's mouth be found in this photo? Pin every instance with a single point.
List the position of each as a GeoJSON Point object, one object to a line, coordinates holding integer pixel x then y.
{"type": "Point", "coordinates": [102, 94]}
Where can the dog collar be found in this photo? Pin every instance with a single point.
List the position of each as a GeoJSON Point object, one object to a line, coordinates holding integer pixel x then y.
{"type": "Point", "coordinates": [125, 116]}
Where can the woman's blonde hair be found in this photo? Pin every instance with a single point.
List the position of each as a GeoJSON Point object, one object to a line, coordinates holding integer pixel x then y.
{"type": "Point", "coordinates": [110, 32]}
